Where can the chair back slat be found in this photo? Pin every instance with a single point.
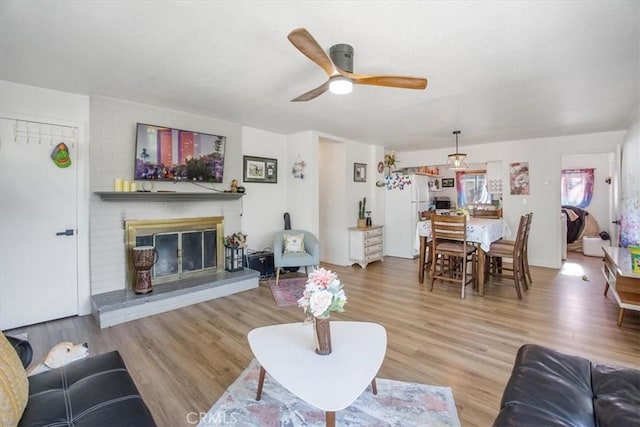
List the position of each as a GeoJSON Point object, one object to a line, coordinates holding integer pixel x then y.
{"type": "Point", "coordinates": [521, 234]}
{"type": "Point", "coordinates": [525, 251]}
{"type": "Point", "coordinates": [449, 227]}
{"type": "Point", "coordinates": [486, 213]}
{"type": "Point", "coordinates": [529, 219]}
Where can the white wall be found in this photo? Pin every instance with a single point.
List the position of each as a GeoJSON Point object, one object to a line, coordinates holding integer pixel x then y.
{"type": "Point", "coordinates": [113, 125]}
{"type": "Point", "coordinates": [376, 155]}
{"type": "Point", "coordinates": [544, 156]}
{"type": "Point", "coordinates": [599, 206]}
{"type": "Point", "coordinates": [50, 106]}
{"type": "Point", "coordinates": [356, 152]}
{"type": "Point", "coordinates": [333, 221]}
{"type": "Point", "coordinates": [303, 195]}
{"type": "Point", "coordinates": [265, 204]}
{"type": "Point", "coordinates": [630, 191]}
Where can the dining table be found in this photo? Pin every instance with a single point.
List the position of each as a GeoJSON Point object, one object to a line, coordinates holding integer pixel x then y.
{"type": "Point", "coordinates": [480, 231]}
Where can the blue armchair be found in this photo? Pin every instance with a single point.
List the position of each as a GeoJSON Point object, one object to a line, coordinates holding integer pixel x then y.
{"type": "Point", "coordinates": [310, 256]}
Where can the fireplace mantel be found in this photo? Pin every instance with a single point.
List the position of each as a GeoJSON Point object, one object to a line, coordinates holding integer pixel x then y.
{"type": "Point", "coordinates": [165, 196]}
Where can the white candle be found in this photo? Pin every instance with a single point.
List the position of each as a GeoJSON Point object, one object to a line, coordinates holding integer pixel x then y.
{"type": "Point", "coordinates": [133, 187]}
{"type": "Point", "coordinates": [126, 186]}
{"type": "Point", "coordinates": [117, 184]}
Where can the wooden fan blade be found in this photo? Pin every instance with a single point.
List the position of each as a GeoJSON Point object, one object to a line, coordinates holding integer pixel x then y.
{"type": "Point", "coordinates": [313, 93]}
{"type": "Point", "coordinates": [403, 82]}
{"type": "Point", "coordinates": [306, 44]}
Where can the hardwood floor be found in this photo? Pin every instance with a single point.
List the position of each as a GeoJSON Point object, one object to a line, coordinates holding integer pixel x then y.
{"type": "Point", "coordinates": [183, 360]}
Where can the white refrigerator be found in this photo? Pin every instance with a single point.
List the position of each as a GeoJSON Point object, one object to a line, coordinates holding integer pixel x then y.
{"type": "Point", "coordinates": [401, 216]}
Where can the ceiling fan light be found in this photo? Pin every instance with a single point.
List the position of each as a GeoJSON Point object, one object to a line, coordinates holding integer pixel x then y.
{"type": "Point", "coordinates": [340, 85]}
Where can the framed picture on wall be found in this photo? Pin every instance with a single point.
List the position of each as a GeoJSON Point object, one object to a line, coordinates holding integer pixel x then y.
{"type": "Point", "coordinates": [259, 169]}
{"type": "Point", "coordinates": [360, 172]}
{"type": "Point", "coordinates": [519, 178]}
{"type": "Point", "coordinates": [447, 182]}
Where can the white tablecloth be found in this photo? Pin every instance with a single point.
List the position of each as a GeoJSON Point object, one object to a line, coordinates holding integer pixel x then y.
{"type": "Point", "coordinates": [479, 230]}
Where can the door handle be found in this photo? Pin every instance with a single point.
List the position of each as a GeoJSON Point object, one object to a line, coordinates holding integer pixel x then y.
{"type": "Point", "coordinates": [617, 221]}
{"type": "Point", "coordinates": [67, 232]}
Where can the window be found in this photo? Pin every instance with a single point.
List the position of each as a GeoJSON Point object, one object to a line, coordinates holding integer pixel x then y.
{"type": "Point", "coordinates": [577, 187]}
{"type": "Point", "coordinates": [472, 188]}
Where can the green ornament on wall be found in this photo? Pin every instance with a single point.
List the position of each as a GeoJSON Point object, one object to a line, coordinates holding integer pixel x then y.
{"type": "Point", "coordinates": [60, 156]}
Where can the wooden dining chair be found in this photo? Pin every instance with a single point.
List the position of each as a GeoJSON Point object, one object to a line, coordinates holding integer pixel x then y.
{"type": "Point", "coordinates": [525, 255]}
{"type": "Point", "coordinates": [426, 216]}
{"type": "Point", "coordinates": [499, 250]}
{"type": "Point", "coordinates": [451, 253]}
{"type": "Point", "coordinates": [527, 279]}
{"type": "Point", "coordinates": [486, 213]}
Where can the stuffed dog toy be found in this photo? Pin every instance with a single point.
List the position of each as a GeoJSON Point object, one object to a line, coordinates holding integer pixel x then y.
{"type": "Point", "coordinates": [61, 354]}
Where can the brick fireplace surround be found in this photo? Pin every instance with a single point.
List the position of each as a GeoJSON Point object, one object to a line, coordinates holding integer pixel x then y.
{"type": "Point", "coordinates": [117, 302]}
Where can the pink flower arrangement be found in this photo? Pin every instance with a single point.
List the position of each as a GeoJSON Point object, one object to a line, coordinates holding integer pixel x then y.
{"type": "Point", "coordinates": [323, 294]}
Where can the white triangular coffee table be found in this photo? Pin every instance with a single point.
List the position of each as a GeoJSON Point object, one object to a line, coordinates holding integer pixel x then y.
{"type": "Point", "coordinates": [331, 382]}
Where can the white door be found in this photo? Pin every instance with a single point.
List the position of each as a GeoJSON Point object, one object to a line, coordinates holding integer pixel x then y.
{"type": "Point", "coordinates": [38, 244]}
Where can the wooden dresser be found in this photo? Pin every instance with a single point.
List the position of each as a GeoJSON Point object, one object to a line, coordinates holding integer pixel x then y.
{"type": "Point", "coordinates": [621, 280]}
{"type": "Point", "coordinates": [365, 245]}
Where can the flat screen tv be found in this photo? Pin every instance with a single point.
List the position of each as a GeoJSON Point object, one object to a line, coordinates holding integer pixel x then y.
{"type": "Point", "coordinates": [167, 154]}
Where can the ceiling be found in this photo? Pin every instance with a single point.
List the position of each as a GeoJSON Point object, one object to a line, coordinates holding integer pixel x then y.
{"type": "Point", "coordinates": [497, 70]}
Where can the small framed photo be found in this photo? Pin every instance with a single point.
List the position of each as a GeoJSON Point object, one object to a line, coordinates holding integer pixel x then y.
{"type": "Point", "coordinates": [447, 182]}
{"type": "Point", "coordinates": [360, 172]}
{"type": "Point", "coordinates": [259, 169]}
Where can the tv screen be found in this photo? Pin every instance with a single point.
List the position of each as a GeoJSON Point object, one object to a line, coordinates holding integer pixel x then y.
{"type": "Point", "coordinates": [168, 154]}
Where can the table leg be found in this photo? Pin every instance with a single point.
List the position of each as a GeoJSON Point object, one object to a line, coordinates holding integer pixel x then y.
{"type": "Point", "coordinates": [421, 258]}
{"type": "Point", "coordinates": [374, 386]}
{"type": "Point", "coordinates": [480, 271]}
{"type": "Point", "coordinates": [260, 383]}
{"type": "Point", "coordinates": [620, 314]}
{"type": "Point", "coordinates": [330, 419]}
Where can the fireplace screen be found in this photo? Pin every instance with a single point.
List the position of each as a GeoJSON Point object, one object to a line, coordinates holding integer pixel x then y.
{"type": "Point", "coordinates": [182, 252]}
{"type": "Point", "coordinates": [185, 247]}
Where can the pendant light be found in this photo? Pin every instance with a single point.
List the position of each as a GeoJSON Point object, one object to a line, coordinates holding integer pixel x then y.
{"type": "Point", "coordinates": [457, 161]}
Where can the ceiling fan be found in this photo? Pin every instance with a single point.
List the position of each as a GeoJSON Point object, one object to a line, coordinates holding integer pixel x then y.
{"type": "Point", "coordinates": [339, 67]}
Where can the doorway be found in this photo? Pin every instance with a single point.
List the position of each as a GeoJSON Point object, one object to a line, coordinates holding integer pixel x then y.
{"type": "Point", "coordinates": [588, 220]}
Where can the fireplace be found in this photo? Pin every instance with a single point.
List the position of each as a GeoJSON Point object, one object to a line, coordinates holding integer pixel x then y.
{"type": "Point", "coordinates": [186, 247]}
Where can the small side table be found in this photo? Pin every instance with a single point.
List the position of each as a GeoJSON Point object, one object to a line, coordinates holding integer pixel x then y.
{"type": "Point", "coordinates": [621, 280]}
{"type": "Point", "coordinates": [365, 245]}
{"type": "Point", "coordinates": [332, 382]}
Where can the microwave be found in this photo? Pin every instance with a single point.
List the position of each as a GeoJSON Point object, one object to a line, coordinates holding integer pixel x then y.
{"type": "Point", "coordinates": [442, 203]}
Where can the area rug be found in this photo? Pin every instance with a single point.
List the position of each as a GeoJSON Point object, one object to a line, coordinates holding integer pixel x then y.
{"type": "Point", "coordinates": [288, 291]}
{"type": "Point", "coordinates": [397, 404]}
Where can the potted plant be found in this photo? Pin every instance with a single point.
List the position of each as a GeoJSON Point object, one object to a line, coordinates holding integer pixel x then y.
{"type": "Point", "coordinates": [362, 219]}
{"type": "Point", "coordinates": [390, 160]}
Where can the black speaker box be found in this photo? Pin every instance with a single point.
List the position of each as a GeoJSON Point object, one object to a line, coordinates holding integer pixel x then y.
{"type": "Point", "coordinates": [261, 261]}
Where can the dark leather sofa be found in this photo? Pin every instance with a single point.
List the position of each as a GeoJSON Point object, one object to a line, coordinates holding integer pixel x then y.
{"type": "Point", "coordinates": [548, 388]}
{"type": "Point", "coordinates": [97, 391]}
